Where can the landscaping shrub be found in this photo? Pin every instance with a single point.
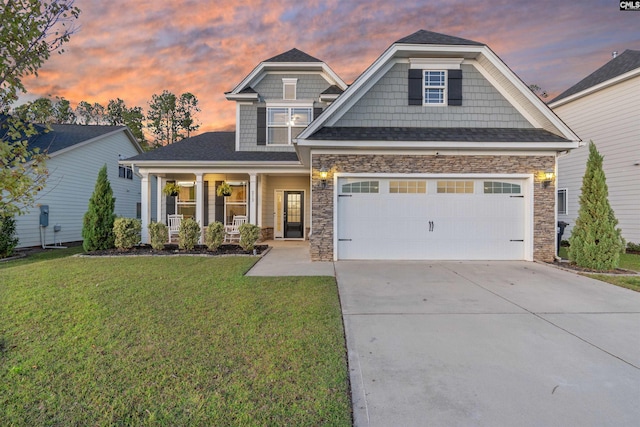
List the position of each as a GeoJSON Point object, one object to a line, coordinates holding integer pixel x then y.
{"type": "Point", "coordinates": [633, 247]}
{"type": "Point", "coordinates": [249, 235]}
{"type": "Point", "coordinates": [8, 241]}
{"type": "Point", "coordinates": [126, 232]}
{"type": "Point", "coordinates": [158, 234]}
{"type": "Point", "coordinates": [595, 241]}
{"type": "Point", "coordinates": [188, 234]}
{"type": "Point", "coordinates": [97, 229]}
{"type": "Point", "coordinates": [214, 236]}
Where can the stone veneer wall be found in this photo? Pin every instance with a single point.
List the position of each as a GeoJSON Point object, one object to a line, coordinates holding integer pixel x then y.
{"type": "Point", "coordinates": [321, 241]}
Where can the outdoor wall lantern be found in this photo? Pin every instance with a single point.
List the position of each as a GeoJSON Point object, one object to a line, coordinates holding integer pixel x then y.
{"type": "Point", "coordinates": [323, 177]}
{"type": "Point", "coordinates": [547, 177]}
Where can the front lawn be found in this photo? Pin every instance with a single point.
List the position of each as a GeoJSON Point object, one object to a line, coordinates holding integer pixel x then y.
{"type": "Point", "coordinates": [627, 262]}
{"type": "Point", "coordinates": [168, 341]}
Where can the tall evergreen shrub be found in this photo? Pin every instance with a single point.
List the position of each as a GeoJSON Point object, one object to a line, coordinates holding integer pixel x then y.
{"type": "Point", "coordinates": [97, 229]}
{"type": "Point", "coordinates": [595, 241]}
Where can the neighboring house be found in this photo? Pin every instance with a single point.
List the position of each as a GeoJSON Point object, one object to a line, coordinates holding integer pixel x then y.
{"type": "Point", "coordinates": [437, 151]}
{"type": "Point", "coordinates": [604, 107]}
{"type": "Point", "coordinates": [76, 154]}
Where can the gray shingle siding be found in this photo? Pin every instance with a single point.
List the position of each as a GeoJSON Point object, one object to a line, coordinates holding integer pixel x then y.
{"type": "Point", "coordinates": [386, 105]}
{"type": "Point", "coordinates": [309, 87]}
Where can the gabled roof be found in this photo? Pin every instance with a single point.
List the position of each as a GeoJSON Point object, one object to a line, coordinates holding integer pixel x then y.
{"type": "Point", "coordinates": [292, 61]}
{"type": "Point", "coordinates": [65, 137]}
{"type": "Point", "coordinates": [428, 46]}
{"type": "Point", "coordinates": [293, 55]}
{"type": "Point", "coordinates": [628, 61]}
{"type": "Point", "coordinates": [211, 147]}
{"type": "Point", "coordinates": [429, 37]}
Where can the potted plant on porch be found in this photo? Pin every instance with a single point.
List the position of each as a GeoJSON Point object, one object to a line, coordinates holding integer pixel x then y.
{"type": "Point", "coordinates": [224, 189]}
{"type": "Point", "coordinates": [171, 189]}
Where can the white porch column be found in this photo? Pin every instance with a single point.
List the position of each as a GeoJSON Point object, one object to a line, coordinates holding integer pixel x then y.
{"type": "Point", "coordinates": [159, 203]}
{"type": "Point", "coordinates": [145, 205]}
{"type": "Point", "coordinates": [253, 192]}
{"type": "Point", "coordinates": [199, 202]}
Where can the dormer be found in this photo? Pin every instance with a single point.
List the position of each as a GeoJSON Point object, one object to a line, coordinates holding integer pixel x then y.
{"type": "Point", "coordinates": [280, 98]}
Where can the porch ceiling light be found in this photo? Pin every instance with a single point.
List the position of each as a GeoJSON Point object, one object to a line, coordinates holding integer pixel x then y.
{"type": "Point", "coordinates": [323, 177]}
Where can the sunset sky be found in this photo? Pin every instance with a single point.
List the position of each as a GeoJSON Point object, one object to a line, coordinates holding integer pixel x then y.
{"type": "Point", "coordinates": [134, 48]}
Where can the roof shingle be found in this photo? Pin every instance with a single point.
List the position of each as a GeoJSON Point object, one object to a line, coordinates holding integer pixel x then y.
{"type": "Point", "coordinates": [435, 134]}
{"type": "Point", "coordinates": [627, 61]}
{"type": "Point", "coordinates": [212, 146]}
{"type": "Point", "coordinates": [429, 37]}
{"type": "Point", "coordinates": [293, 55]}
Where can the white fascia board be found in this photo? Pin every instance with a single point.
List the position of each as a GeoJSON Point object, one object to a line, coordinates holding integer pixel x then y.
{"type": "Point", "coordinates": [328, 97]}
{"type": "Point", "coordinates": [241, 96]}
{"type": "Point", "coordinates": [439, 152]}
{"type": "Point", "coordinates": [619, 79]}
{"type": "Point", "coordinates": [299, 170]}
{"type": "Point", "coordinates": [453, 145]}
{"type": "Point", "coordinates": [528, 93]}
{"type": "Point", "coordinates": [97, 138]}
{"type": "Point", "coordinates": [208, 164]}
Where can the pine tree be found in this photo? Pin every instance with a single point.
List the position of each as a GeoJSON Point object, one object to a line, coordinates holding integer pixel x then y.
{"type": "Point", "coordinates": [595, 241]}
{"type": "Point", "coordinates": [97, 230]}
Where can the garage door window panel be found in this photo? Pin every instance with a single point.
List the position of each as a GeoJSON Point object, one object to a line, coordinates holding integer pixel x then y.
{"type": "Point", "coordinates": [408, 187]}
{"type": "Point", "coordinates": [497, 187]}
{"type": "Point", "coordinates": [366, 187]}
{"type": "Point", "coordinates": [455, 187]}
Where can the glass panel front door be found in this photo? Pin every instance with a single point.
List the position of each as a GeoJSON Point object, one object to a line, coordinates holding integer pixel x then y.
{"type": "Point", "coordinates": [294, 214]}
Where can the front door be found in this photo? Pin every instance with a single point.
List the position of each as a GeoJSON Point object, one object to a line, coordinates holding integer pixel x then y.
{"type": "Point", "coordinates": [293, 215]}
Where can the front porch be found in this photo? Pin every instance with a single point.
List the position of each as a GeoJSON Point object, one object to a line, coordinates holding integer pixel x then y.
{"type": "Point", "coordinates": [277, 202]}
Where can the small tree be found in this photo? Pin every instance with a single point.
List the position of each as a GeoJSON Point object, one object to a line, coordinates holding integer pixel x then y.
{"type": "Point", "coordinates": [97, 230]}
{"type": "Point", "coordinates": [595, 241]}
{"type": "Point", "coordinates": [8, 241]}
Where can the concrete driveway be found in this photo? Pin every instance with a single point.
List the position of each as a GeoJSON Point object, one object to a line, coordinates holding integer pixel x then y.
{"type": "Point", "coordinates": [489, 344]}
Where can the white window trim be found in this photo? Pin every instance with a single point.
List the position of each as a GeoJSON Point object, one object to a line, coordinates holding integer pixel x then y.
{"type": "Point", "coordinates": [287, 82]}
{"type": "Point", "coordinates": [436, 63]}
{"type": "Point", "coordinates": [445, 97]}
{"type": "Point", "coordinates": [289, 106]}
{"type": "Point", "coordinates": [566, 201]}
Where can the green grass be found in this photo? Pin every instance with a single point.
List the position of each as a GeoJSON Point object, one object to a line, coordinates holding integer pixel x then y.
{"type": "Point", "coordinates": [628, 282]}
{"type": "Point", "coordinates": [168, 341]}
{"type": "Point", "coordinates": [627, 262]}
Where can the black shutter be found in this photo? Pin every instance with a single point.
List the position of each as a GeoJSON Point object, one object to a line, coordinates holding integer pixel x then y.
{"type": "Point", "coordinates": [205, 220]}
{"type": "Point", "coordinates": [219, 205]}
{"type": "Point", "coordinates": [262, 126]}
{"type": "Point", "coordinates": [316, 112]}
{"type": "Point", "coordinates": [454, 85]}
{"type": "Point", "coordinates": [170, 204]}
{"type": "Point", "coordinates": [415, 87]}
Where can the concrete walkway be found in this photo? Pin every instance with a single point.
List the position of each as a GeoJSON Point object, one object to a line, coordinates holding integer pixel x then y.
{"type": "Point", "coordinates": [488, 344]}
{"type": "Point", "coordinates": [290, 258]}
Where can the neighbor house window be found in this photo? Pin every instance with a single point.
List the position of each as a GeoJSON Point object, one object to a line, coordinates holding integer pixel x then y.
{"type": "Point", "coordinates": [289, 87]}
{"type": "Point", "coordinates": [455, 187]}
{"type": "Point", "coordinates": [285, 123]}
{"type": "Point", "coordinates": [562, 202]}
{"type": "Point", "coordinates": [435, 85]}
{"type": "Point", "coordinates": [125, 172]}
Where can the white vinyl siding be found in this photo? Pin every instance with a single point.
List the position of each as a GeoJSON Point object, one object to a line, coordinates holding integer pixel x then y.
{"type": "Point", "coordinates": [71, 181]}
{"type": "Point", "coordinates": [611, 118]}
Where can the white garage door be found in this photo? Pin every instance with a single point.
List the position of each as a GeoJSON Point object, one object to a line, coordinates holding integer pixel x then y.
{"type": "Point", "coordinates": [438, 219]}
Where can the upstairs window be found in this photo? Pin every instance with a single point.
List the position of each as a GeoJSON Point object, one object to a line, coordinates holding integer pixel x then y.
{"type": "Point", "coordinates": [289, 89]}
{"type": "Point", "coordinates": [285, 123]}
{"type": "Point", "coordinates": [435, 87]}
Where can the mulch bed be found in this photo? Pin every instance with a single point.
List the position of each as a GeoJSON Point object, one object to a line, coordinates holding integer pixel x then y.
{"type": "Point", "coordinates": [172, 249]}
{"type": "Point", "coordinates": [573, 267]}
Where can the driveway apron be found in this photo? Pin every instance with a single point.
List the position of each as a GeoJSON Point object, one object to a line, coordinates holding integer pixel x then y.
{"type": "Point", "coordinates": [488, 344]}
